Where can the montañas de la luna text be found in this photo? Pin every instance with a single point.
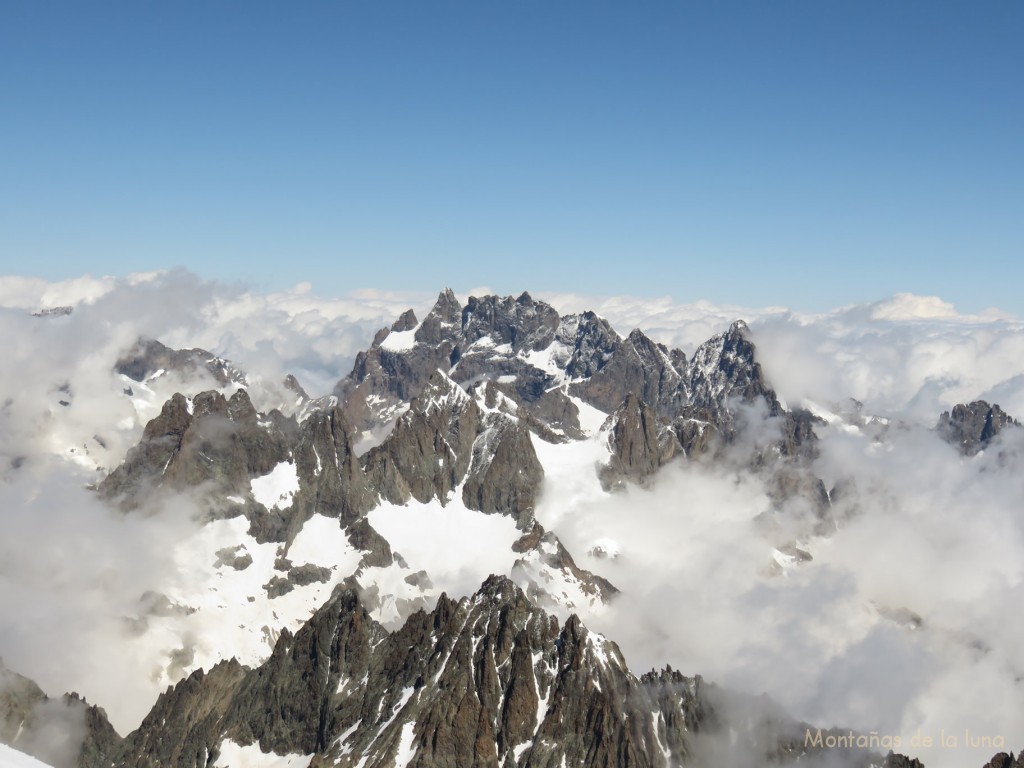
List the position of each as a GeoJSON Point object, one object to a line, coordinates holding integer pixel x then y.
{"type": "Point", "coordinates": [876, 740]}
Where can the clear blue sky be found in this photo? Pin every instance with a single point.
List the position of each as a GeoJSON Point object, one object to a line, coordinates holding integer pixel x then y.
{"type": "Point", "coordinates": [802, 153]}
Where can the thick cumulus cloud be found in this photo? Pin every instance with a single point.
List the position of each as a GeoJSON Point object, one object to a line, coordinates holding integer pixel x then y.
{"type": "Point", "coordinates": [906, 621]}
{"type": "Point", "coordinates": [72, 572]}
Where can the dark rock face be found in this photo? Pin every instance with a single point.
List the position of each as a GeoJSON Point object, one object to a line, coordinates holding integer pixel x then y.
{"type": "Point", "coordinates": [18, 697]}
{"type": "Point", "coordinates": [149, 356]}
{"type": "Point", "coordinates": [522, 323]}
{"type": "Point", "coordinates": [209, 440]}
{"type": "Point", "coordinates": [640, 444]}
{"type": "Point", "coordinates": [724, 385]}
{"type": "Point", "coordinates": [446, 438]}
{"type": "Point", "coordinates": [892, 760]}
{"type": "Point", "coordinates": [101, 743]}
{"type": "Point", "coordinates": [521, 353]}
{"type": "Point", "coordinates": [616, 368]}
{"type": "Point", "coordinates": [490, 680]}
{"type": "Point", "coordinates": [405, 322]}
{"type": "Point", "coordinates": [54, 312]}
{"type": "Point", "coordinates": [494, 337]}
{"type": "Point", "coordinates": [970, 428]}
{"type": "Point", "coordinates": [65, 733]}
{"type": "Point", "coordinates": [1003, 760]}
{"type": "Point", "coordinates": [292, 384]}
{"type": "Point", "coordinates": [430, 449]}
{"type": "Point", "coordinates": [724, 368]}
{"type": "Point", "coordinates": [441, 322]}
{"type": "Point", "coordinates": [382, 379]}
{"type": "Point", "coordinates": [542, 550]}
{"type": "Point", "coordinates": [220, 445]}
{"type": "Point", "coordinates": [541, 360]}
{"type": "Point", "coordinates": [185, 721]}
{"type": "Point", "coordinates": [331, 480]}
{"type": "Point", "coordinates": [504, 476]}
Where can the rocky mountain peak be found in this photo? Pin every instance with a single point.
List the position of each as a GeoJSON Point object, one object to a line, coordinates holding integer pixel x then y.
{"type": "Point", "coordinates": [205, 439]}
{"type": "Point", "coordinates": [64, 732]}
{"type": "Point", "coordinates": [725, 367]}
{"type": "Point", "coordinates": [522, 323]}
{"type": "Point", "coordinates": [487, 680]}
{"type": "Point", "coordinates": [738, 327]}
{"type": "Point", "coordinates": [440, 393]}
{"type": "Point", "coordinates": [148, 357]}
{"type": "Point", "coordinates": [971, 427]}
{"type": "Point", "coordinates": [405, 322]}
{"type": "Point", "coordinates": [443, 318]}
{"type": "Point", "coordinates": [430, 448]}
{"type": "Point", "coordinates": [639, 443]}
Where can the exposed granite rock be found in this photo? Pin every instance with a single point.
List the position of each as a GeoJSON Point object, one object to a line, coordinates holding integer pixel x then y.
{"type": "Point", "coordinates": [208, 440]}
{"type": "Point", "coordinates": [636, 366]}
{"type": "Point", "coordinates": [296, 576]}
{"type": "Point", "coordinates": [331, 479]}
{"type": "Point", "coordinates": [383, 379]}
{"type": "Point", "coordinates": [60, 311]}
{"type": "Point", "coordinates": [542, 361]}
{"type": "Point", "coordinates": [522, 323]}
{"type": "Point", "coordinates": [696, 432]}
{"type": "Point", "coordinates": [547, 572]}
{"type": "Point", "coordinates": [724, 369]}
{"type": "Point", "coordinates": [640, 444]}
{"type": "Point", "coordinates": [101, 742]}
{"type": "Point", "coordinates": [217, 446]}
{"type": "Point", "coordinates": [430, 449]}
{"type": "Point", "coordinates": [292, 384]}
{"type": "Point", "coordinates": [148, 356]}
{"type": "Point", "coordinates": [441, 321]}
{"type": "Point", "coordinates": [405, 322]}
{"type": "Point", "coordinates": [233, 557]}
{"type": "Point", "coordinates": [18, 698]}
{"type": "Point", "coordinates": [65, 733]}
{"type": "Point", "coordinates": [184, 727]}
{"type": "Point", "coordinates": [504, 476]}
{"type": "Point", "coordinates": [893, 760]}
{"type": "Point", "coordinates": [446, 438]}
{"type": "Point", "coordinates": [489, 680]}
{"type": "Point", "coordinates": [1001, 760]}
{"type": "Point", "coordinates": [362, 536]}
{"type": "Point", "coordinates": [499, 338]}
{"type": "Point", "coordinates": [970, 428]}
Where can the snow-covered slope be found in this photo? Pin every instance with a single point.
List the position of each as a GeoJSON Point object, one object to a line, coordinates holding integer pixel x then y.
{"type": "Point", "coordinates": [12, 758]}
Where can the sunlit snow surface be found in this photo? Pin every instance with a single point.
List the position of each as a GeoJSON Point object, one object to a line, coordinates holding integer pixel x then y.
{"type": "Point", "coordinates": [276, 488]}
{"type": "Point", "coordinates": [12, 758]}
{"type": "Point", "coordinates": [227, 611]}
{"type": "Point", "coordinates": [457, 547]}
{"type": "Point", "coordinates": [234, 755]}
{"type": "Point", "coordinates": [406, 748]}
{"type": "Point", "coordinates": [399, 341]}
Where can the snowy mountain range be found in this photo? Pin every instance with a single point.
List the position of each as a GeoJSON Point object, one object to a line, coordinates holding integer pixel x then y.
{"type": "Point", "coordinates": [410, 571]}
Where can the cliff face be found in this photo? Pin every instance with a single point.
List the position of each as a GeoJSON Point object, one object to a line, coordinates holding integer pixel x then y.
{"type": "Point", "coordinates": [490, 680]}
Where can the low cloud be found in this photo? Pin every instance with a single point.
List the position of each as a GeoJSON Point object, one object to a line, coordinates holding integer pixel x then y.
{"type": "Point", "coordinates": [72, 572]}
{"type": "Point", "coordinates": [905, 621]}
